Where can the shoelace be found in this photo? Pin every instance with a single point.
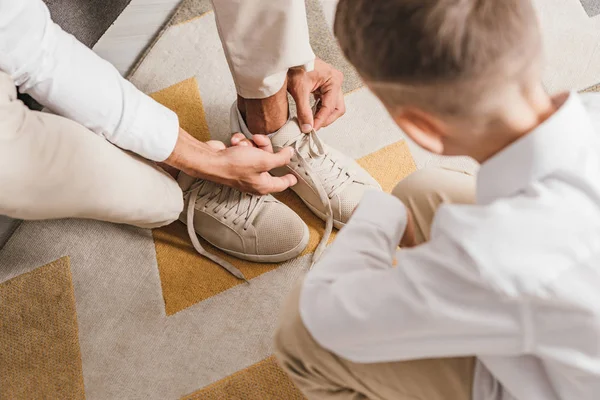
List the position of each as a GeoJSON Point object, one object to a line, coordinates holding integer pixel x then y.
{"type": "Point", "coordinates": [334, 179]}
{"type": "Point", "coordinates": [240, 207]}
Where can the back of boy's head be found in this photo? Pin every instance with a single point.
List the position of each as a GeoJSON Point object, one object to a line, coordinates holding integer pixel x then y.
{"type": "Point", "coordinates": [439, 55]}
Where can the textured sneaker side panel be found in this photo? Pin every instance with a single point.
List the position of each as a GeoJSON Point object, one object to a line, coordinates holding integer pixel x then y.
{"type": "Point", "coordinates": [278, 229]}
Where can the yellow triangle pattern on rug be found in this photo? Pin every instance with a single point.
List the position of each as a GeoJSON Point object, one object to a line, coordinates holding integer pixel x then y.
{"type": "Point", "coordinates": [188, 278]}
{"type": "Point", "coordinates": [39, 341]}
{"type": "Point", "coordinates": [264, 380]}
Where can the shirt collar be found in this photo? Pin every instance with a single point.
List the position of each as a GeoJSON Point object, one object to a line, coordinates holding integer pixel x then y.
{"type": "Point", "coordinates": [553, 145]}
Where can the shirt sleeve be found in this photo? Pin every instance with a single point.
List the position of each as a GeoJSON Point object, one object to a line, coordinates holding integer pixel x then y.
{"type": "Point", "coordinates": [71, 80]}
{"type": "Point", "coordinates": [358, 306]}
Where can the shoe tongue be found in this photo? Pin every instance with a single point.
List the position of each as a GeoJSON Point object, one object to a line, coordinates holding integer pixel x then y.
{"type": "Point", "coordinates": [185, 183]}
{"type": "Point", "coordinates": [287, 134]}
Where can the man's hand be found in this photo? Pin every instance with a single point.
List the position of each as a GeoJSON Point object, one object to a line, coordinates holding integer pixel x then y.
{"type": "Point", "coordinates": [325, 82]}
{"type": "Point", "coordinates": [246, 168]}
{"type": "Point", "coordinates": [243, 167]}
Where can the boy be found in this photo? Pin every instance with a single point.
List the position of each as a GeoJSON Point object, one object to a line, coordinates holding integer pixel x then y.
{"type": "Point", "coordinates": [495, 298]}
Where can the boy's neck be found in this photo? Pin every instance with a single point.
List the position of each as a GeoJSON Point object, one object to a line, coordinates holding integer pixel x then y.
{"type": "Point", "coordinates": [524, 114]}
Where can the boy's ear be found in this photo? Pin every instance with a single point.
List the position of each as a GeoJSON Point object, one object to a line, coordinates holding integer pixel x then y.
{"type": "Point", "coordinates": [423, 128]}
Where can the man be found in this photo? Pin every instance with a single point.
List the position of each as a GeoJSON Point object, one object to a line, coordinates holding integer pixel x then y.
{"type": "Point", "coordinates": [53, 167]}
{"type": "Point", "coordinates": [494, 297]}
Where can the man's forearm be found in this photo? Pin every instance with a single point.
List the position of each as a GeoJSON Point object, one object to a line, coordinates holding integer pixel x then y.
{"type": "Point", "coordinates": [193, 157]}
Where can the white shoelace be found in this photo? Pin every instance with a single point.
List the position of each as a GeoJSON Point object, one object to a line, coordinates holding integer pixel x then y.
{"type": "Point", "coordinates": [333, 179]}
{"type": "Point", "coordinates": [240, 207]}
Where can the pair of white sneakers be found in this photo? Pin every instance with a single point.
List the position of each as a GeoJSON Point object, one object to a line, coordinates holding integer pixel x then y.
{"type": "Point", "coordinates": [261, 228]}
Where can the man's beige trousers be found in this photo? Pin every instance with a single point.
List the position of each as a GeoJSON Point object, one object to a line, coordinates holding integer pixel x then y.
{"type": "Point", "coordinates": [51, 167]}
{"type": "Point", "coordinates": [322, 375]}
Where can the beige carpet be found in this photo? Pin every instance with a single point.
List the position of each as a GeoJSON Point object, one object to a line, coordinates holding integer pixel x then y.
{"type": "Point", "coordinates": [103, 311]}
{"type": "Point", "coordinates": [155, 320]}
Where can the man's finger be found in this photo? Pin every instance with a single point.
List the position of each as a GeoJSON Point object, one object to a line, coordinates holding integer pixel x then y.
{"type": "Point", "coordinates": [301, 96]}
{"type": "Point", "coordinates": [263, 142]}
{"type": "Point", "coordinates": [216, 144]}
{"type": "Point", "coordinates": [236, 138]}
{"type": "Point", "coordinates": [276, 160]}
{"type": "Point", "coordinates": [338, 112]}
{"type": "Point", "coordinates": [279, 184]}
{"type": "Point", "coordinates": [328, 104]}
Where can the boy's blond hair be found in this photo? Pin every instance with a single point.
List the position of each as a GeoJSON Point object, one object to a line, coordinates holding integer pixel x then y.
{"type": "Point", "coordinates": [443, 55]}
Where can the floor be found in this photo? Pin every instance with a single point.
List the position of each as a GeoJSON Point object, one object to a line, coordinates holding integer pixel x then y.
{"type": "Point", "coordinates": [133, 31]}
{"type": "Point", "coordinates": [121, 45]}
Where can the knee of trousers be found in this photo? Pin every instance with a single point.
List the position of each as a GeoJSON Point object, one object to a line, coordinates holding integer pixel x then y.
{"type": "Point", "coordinates": [439, 185]}
{"type": "Point", "coordinates": [291, 337]}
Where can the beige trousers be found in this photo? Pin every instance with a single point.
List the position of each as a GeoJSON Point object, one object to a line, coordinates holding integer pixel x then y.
{"type": "Point", "coordinates": [262, 39]}
{"type": "Point", "coordinates": [52, 167]}
{"type": "Point", "coordinates": [323, 375]}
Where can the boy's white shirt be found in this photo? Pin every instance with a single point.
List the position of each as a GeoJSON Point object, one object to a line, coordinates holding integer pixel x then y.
{"type": "Point", "coordinates": [72, 81]}
{"type": "Point", "coordinates": [513, 279]}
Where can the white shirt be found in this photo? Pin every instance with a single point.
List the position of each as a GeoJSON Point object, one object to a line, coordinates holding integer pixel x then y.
{"type": "Point", "coordinates": [513, 279]}
{"type": "Point", "coordinates": [71, 80]}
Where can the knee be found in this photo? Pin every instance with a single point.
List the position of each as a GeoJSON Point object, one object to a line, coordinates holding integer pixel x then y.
{"type": "Point", "coordinates": [290, 330]}
{"type": "Point", "coordinates": [438, 185]}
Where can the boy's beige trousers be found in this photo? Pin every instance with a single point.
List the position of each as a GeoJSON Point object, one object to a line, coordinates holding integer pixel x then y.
{"type": "Point", "coordinates": [322, 375]}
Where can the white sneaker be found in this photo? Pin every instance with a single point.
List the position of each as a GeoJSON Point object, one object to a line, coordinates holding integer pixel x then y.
{"type": "Point", "coordinates": [330, 183]}
{"type": "Point", "coordinates": [254, 228]}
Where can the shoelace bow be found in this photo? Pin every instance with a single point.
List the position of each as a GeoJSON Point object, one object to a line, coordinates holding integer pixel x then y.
{"type": "Point", "coordinates": [240, 207]}
{"type": "Point", "coordinates": [334, 178]}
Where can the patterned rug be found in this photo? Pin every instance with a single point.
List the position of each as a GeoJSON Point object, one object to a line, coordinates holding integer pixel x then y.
{"type": "Point", "coordinates": [103, 311]}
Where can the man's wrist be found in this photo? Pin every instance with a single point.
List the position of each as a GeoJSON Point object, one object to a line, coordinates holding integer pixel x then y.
{"type": "Point", "coordinates": [194, 157]}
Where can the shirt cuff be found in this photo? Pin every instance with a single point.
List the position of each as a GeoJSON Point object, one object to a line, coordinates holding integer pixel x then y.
{"type": "Point", "coordinates": [383, 210]}
{"type": "Point", "coordinates": [148, 128]}
{"type": "Point", "coordinates": [309, 66]}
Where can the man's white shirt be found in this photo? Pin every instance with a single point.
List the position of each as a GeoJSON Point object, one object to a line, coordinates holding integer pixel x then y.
{"type": "Point", "coordinates": [71, 80]}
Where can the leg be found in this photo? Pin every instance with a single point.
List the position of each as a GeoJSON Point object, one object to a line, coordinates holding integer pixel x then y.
{"type": "Point", "coordinates": [262, 40]}
{"type": "Point", "coordinates": [264, 116]}
{"type": "Point", "coordinates": [321, 374]}
{"type": "Point", "coordinates": [424, 191]}
{"type": "Point", "coordinates": [51, 167]}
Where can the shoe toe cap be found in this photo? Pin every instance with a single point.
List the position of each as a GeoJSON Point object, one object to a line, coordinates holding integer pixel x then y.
{"type": "Point", "coordinates": [280, 230]}
{"type": "Point", "coordinates": [350, 197]}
